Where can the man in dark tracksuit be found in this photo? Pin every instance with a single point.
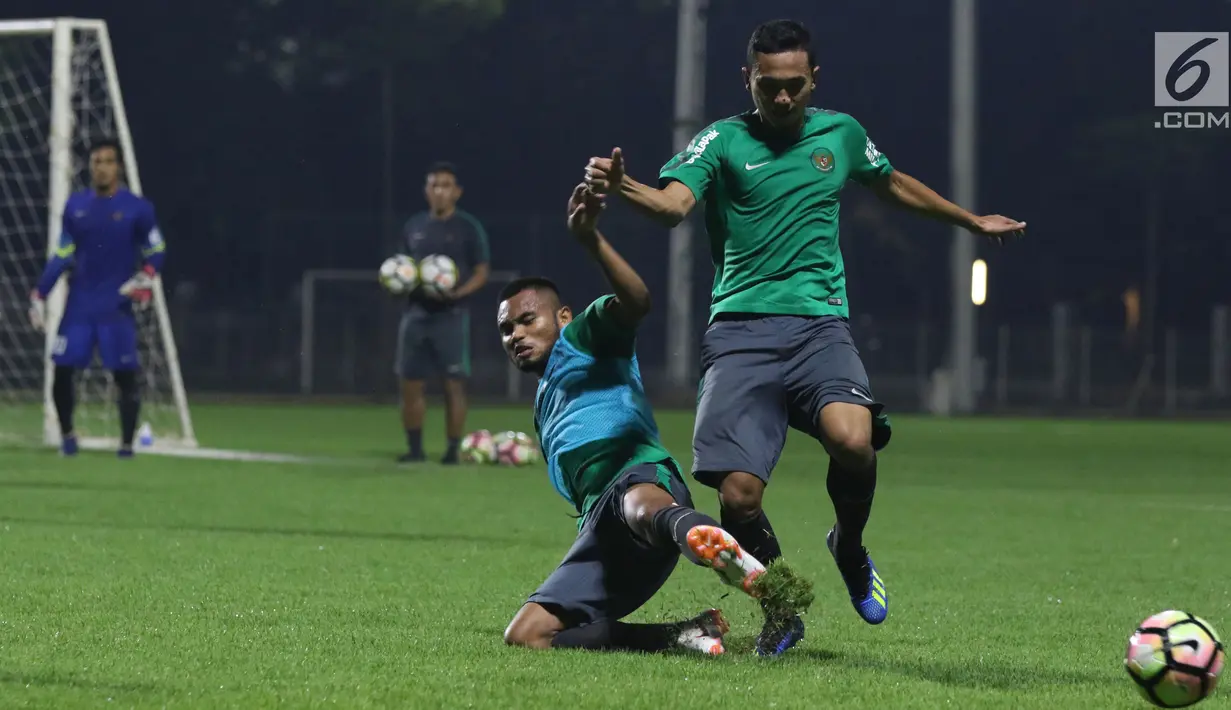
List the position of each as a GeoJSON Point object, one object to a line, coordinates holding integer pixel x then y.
{"type": "Point", "coordinates": [434, 335]}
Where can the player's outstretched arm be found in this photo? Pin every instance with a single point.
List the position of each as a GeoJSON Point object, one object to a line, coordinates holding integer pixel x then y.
{"type": "Point", "coordinates": [903, 190]}
{"type": "Point", "coordinates": [669, 206]}
{"type": "Point", "coordinates": [632, 297]}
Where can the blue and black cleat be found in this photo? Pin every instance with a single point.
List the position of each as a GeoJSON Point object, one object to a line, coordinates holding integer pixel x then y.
{"type": "Point", "coordinates": [779, 634]}
{"type": "Point", "coordinates": [68, 445]}
{"type": "Point", "coordinates": [863, 582]}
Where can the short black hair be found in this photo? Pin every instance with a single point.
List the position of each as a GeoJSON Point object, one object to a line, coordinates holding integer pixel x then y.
{"type": "Point", "coordinates": [533, 283]}
{"type": "Point", "coordinates": [108, 142]}
{"type": "Point", "coordinates": [442, 166]}
{"type": "Point", "coordinates": [778, 37]}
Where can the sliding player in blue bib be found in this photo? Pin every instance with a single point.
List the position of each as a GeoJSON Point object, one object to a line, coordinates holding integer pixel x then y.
{"type": "Point", "coordinates": [603, 455]}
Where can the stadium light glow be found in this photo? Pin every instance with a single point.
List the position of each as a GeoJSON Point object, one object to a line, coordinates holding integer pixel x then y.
{"type": "Point", "coordinates": [978, 282]}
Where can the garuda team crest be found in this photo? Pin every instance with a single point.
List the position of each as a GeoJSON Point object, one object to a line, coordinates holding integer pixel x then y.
{"type": "Point", "coordinates": [822, 159]}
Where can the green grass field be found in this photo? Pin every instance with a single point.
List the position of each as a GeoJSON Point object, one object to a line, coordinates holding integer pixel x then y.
{"type": "Point", "coordinates": [1019, 556]}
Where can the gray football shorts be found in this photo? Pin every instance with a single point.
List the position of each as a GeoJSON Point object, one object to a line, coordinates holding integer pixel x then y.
{"type": "Point", "coordinates": [609, 573]}
{"type": "Point", "coordinates": [762, 374]}
{"type": "Point", "coordinates": [433, 345]}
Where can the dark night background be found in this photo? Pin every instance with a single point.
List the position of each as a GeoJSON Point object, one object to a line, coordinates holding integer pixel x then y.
{"type": "Point", "coordinates": [257, 179]}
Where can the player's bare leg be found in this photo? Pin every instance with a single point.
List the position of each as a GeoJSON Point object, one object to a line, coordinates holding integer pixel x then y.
{"type": "Point", "coordinates": [63, 394]}
{"type": "Point", "coordinates": [846, 432]}
{"type": "Point", "coordinates": [535, 626]}
{"type": "Point", "coordinates": [413, 409]}
{"type": "Point", "coordinates": [740, 495]}
{"type": "Point", "coordinates": [654, 516]}
{"type": "Point", "coordinates": [455, 417]}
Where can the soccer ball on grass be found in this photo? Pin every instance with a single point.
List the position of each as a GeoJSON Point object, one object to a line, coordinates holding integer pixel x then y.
{"type": "Point", "coordinates": [478, 447]}
{"type": "Point", "coordinates": [515, 448]}
{"type": "Point", "coordinates": [1174, 658]}
{"type": "Point", "coordinates": [438, 273]}
{"type": "Point", "coordinates": [399, 275]}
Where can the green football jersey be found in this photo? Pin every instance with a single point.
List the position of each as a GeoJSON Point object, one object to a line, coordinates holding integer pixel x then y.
{"type": "Point", "coordinates": [771, 209]}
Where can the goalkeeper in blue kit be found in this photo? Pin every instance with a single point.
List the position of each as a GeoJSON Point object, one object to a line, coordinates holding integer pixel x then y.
{"type": "Point", "coordinates": [603, 455]}
{"type": "Point", "coordinates": [111, 249]}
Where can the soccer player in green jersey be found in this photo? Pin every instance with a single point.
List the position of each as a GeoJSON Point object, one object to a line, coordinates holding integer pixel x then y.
{"type": "Point", "coordinates": [778, 351]}
{"type": "Point", "coordinates": [603, 455]}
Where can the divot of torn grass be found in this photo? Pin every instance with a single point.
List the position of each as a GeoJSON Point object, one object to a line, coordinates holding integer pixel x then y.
{"type": "Point", "coordinates": [782, 590]}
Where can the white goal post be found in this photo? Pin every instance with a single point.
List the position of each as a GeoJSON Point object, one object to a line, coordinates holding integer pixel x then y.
{"type": "Point", "coordinates": [59, 91]}
{"type": "Point", "coordinates": [309, 316]}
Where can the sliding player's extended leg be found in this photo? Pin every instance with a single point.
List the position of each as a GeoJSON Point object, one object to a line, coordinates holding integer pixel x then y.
{"type": "Point", "coordinates": [663, 520]}
{"type": "Point", "coordinates": [623, 554]}
{"type": "Point", "coordinates": [547, 625]}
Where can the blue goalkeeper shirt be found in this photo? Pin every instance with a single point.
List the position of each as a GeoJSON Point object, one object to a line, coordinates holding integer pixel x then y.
{"type": "Point", "coordinates": [103, 241]}
{"type": "Point", "coordinates": [591, 413]}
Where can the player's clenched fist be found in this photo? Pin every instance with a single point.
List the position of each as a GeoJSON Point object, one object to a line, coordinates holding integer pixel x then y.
{"type": "Point", "coordinates": [584, 207]}
{"type": "Point", "coordinates": [604, 175]}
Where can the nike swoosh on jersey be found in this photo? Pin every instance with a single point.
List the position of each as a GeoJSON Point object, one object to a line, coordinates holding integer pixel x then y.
{"type": "Point", "coordinates": [750, 166]}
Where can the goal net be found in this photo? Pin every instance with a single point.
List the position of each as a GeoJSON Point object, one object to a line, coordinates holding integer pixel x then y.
{"type": "Point", "coordinates": [59, 92]}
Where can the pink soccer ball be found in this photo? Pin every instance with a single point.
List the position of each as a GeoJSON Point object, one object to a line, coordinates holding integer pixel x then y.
{"type": "Point", "coordinates": [1174, 658]}
{"type": "Point", "coordinates": [515, 448]}
{"type": "Point", "coordinates": [478, 447]}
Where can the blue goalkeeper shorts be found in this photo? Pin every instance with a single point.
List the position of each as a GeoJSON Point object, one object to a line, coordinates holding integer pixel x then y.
{"type": "Point", "coordinates": [113, 334]}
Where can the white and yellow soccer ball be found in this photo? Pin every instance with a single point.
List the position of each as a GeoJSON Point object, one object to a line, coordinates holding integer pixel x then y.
{"type": "Point", "coordinates": [515, 448]}
{"type": "Point", "coordinates": [438, 273]}
{"type": "Point", "coordinates": [478, 447]}
{"type": "Point", "coordinates": [399, 275]}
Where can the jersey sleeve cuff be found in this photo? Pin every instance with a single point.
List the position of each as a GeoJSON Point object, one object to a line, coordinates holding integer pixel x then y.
{"type": "Point", "coordinates": [667, 179]}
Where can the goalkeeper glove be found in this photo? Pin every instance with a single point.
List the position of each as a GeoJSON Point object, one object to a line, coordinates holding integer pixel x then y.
{"type": "Point", "coordinates": [38, 311]}
{"type": "Point", "coordinates": [140, 288]}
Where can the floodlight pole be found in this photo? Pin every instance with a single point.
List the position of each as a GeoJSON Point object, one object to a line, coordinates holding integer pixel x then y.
{"type": "Point", "coordinates": [963, 172]}
{"type": "Point", "coordinates": [689, 112]}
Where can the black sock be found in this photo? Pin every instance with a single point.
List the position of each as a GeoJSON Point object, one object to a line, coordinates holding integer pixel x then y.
{"type": "Point", "coordinates": [671, 525]}
{"type": "Point", "coordinates": [852, 492]}
{"type": "Point", "coordinates": [63, 394]}
{"type": "Point", "coordinates": [618, 636]}
{"type": "Point", "coordinates": [454, 445]}
{"type": "Point", "coordinates": [414, 440]}
{"type": "Point", "coordinates": [130, 405]}
{"type": "Point", "coordinates": [755, 535]}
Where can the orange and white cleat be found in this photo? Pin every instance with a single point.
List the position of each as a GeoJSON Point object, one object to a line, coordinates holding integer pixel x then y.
{"type": "Point", "coordinates": [704, 633]}
{"type": "Point", "coordinates": [716, 548]}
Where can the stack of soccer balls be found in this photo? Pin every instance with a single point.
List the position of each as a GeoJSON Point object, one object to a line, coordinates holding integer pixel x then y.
{"type": "Point", "coordinates": [1174, 658]}
{"type": "Point", "coordinates": [399, 274]}
{"type": "Point", "coordinates": [507, 448]}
